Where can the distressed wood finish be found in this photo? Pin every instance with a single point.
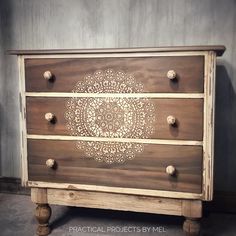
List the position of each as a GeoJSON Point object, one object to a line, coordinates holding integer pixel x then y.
{"type": "Point", "coordinates": [150, 71]}
{"type": "Point", "coordinates": [107, 189]}
{"type": "Point", "coordinates": [118, 201]}
{"type": "Point", "coordinates": [188, 114]}
{"type": "Point", "coordinates": [209, 123]}
{"type": "Point", "coordinates": [43, 210]}
{"type": "Point", "coordinates": [146, 171]}
{"type": "Point", "coordinates": [219, 49]}
{"type": "Point", "coordinates": [172, 172]}
{"type": "Point", "coordinates": [43, 213]}
{"type": "Point", "coordinates": [192, 211]}
{"type": "Point", "coordinates": [70, 26]}
{"type": "Point", "coordinates": [23, 129]}
{"type": "Point", "coordinates": [115, 201]}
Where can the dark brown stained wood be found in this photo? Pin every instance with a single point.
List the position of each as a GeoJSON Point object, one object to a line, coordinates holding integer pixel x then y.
{"type": "Point", "coordinates": [219, 49]}
{"type": "Point", "coordinates": [146, 170]}
{"type": "Point", "coordinates": [150, 71]}
{"type": "Point", "coordinates": [188, 114]}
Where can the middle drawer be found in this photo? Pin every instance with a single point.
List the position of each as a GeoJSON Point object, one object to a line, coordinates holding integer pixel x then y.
{"type": "Point", "coordinates": [117, 117]}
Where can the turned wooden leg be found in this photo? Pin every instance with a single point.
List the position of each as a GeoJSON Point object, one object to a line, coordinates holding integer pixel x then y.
{"type": "Point", "coordinates": [192, 211]}
{"type": "Point", "coordinates": [191, 226]}
{"type": "Point", "coordinates": [43, 210]}
{"type": "Point", "coordinates": [43, 214]}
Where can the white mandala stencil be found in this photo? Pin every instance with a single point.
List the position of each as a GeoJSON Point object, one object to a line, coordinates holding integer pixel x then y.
{"type": "Point", "coordinates": [110, 117]}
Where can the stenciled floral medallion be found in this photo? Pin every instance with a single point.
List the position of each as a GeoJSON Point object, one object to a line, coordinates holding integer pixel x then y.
{"type": "Point", "coordinates": [110, 117]}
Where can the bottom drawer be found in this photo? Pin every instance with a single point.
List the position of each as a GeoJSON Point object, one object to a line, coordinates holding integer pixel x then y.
{"type": "Point", "coordinates": [145, 170]}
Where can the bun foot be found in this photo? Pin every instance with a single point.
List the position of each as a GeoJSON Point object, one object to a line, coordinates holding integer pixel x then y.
{"type": "Point", "coordinates": [191, 227]}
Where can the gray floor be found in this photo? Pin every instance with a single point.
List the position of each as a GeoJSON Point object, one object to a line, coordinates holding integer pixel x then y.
{"type": "Point", "coordinates": [16, 219]}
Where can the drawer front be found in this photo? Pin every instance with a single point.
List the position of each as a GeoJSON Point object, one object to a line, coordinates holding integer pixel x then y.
{"type": "Point", "coordinates": [149, 73]}
{"type": "Point", "coordinates": [147, 170]}
{"type": "Point", "coordinates": [125, 118]}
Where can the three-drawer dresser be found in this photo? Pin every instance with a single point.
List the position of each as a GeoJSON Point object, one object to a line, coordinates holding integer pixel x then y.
{"type": "Point", "coordinates": [122, 129]}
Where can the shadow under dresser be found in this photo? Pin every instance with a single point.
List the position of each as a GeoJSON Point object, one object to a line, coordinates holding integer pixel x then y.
{"type": "Point", "coordinates": [123, 129]}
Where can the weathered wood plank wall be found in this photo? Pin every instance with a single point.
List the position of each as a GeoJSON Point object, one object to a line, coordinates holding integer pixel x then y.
{"type": "Point", "coordinates": [33, 24]}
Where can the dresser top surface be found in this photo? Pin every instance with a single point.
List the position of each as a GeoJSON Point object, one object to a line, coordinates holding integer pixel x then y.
{"type": "Point", "coordinates": [219, 49]}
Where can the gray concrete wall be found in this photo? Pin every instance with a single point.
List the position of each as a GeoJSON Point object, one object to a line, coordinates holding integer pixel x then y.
{"type": "Point", "coordinates": [47, 24]}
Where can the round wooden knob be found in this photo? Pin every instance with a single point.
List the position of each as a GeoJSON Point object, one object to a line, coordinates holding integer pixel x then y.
{"type": "Point", "coordinates": [171, 120]}
{"type": "Point", "coordinates": [170, 170]}
{"type": "Point", "coordinates": [50, 163]}
{"type": "Point", "coordinates": [171, 74]}
{"type": "Point", "coordinates": [49, 116]}
{"type": "Point", "coordinates": [47, 75]}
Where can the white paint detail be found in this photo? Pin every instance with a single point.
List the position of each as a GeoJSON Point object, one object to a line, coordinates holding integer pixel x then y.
{"type": "Point", "coordinates": [110, 117]}
{"type": "Point", "coordinates": [122, 140]}
{"type": "Point", "coordinates": [119, 95]}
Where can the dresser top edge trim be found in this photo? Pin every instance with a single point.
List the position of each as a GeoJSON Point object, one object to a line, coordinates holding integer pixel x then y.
{"type": "Point", "coordinates": [219, 49]}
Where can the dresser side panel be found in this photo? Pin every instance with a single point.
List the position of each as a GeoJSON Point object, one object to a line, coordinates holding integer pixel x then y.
{"type": "Point", "coordinates": [209, 122]}
{"type": "Point", "coordinates": [23, 132]}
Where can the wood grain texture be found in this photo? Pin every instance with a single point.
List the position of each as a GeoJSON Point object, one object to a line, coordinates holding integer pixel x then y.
{"type": "Point", "coordinates": [23, 129]}
{"type": "Point", "coordinates": [219, 49]}
{"type": "Point", "coordinates": [43, 213]}
{"type": "Point", "coordinates": [151, 72]}
{"type": "Point", "coordinates": [116, 201]}
{"type": "Point", "coordinates": [209, 124]}
{"type": "Point", "coordinates": [147, 170]}
{"type": "Point", "coordinates": [39, 195]}
{"type": "Point", "coordinates": [191, 226]}
{"type": "Point", "coordinates": [192, 209]}
{"type": "Point", "coordinates": [120, 190]}
{"type": "Point", "coordinates": [188, 113]}
{"type": "Point", "coordinates": [117, 24]}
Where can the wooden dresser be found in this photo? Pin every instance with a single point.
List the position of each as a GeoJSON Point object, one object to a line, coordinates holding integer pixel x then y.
{"type": "Point", "coordinates": [123, 129]}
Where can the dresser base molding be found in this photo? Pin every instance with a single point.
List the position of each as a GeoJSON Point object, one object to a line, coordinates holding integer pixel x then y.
{"type": "Point", "coordinates": [191, 209]}
{"type": "Point", "coordinates": [107, 189]}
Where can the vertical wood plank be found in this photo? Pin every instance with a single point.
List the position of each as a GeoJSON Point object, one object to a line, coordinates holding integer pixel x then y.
{"type": "Point", "coordinates": [23, 132]}
{"type": "Point", "coordinates": [209, 121]}
{"type": "Point", "coordinates": [39, 195]}
{"type": "Point", "coordinates": [192, 208]}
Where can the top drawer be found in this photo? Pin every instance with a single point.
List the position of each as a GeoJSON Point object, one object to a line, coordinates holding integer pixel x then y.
{"type": "Point", "coordinates": [149, 73]}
